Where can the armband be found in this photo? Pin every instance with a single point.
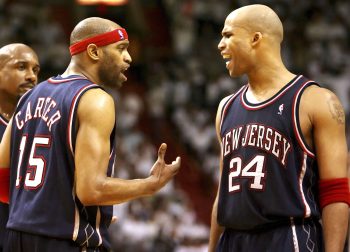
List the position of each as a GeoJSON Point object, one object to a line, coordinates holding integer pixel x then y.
{"type": "Point", "coordinates": [4, 184]}
{"type": "Point", "coordinates": [333, 190]}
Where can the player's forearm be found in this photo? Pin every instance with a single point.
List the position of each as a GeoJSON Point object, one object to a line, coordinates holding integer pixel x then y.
{"type": "Point", "coordinates": [335, 223]}
{"type": "Point", "coordinates": [112, 191]}
{"type": "Point", "coordinates": [215, 232]}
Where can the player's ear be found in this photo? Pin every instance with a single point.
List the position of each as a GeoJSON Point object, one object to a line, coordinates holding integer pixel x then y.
{"type": "Point", "coordinates": [257, 36]}
{"type": "Point", "coordinates": [93, 51]}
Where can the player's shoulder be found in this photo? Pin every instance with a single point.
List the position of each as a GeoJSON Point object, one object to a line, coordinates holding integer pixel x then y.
{"type": "Point", "coordinates": [221, 106]}
{"type": "Point", "coordinates": [320, 102]}
{"type": "Point", "coordinates": [317, 95]}
{"type": "Point", "coordinates": [95, 100]}
{"type": "Point", "coordinates": [224, 101]}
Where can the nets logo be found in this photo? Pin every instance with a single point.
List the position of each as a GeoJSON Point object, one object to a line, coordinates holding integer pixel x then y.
{"type": "Point", "coordinates": [121, 35]}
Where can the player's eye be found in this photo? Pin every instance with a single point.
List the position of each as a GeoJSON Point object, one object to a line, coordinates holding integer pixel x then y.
{"type": "Point", "coordinates": [21, 67]}
{"type": "Point", "coordinates": [36, 70]}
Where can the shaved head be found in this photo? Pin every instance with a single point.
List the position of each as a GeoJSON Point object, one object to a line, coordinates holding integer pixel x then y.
{"type": "Point", "coordinates": [13, 50]}
{"type": "Point", "coordinates": [90, 27]}
{"type": "Point", "coordinates": [19, 69]}
{"type": "Point", "coordinates": [258, 18]}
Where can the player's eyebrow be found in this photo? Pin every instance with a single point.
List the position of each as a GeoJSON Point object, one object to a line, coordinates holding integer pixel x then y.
{"type": "Point", "coordinates": [225, 33]}
{"type": "Point", "coordinates": [25, 62]}
{"type": "Point", "coordinates": [123, 43]}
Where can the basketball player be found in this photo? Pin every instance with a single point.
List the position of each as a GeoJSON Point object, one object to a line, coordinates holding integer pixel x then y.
{"type": "Point", "coordinates": [19, 70]}
{"type": "Point", "coordinates": [59, 147]}
{"type": "Point", "coordinates": [283, 149]}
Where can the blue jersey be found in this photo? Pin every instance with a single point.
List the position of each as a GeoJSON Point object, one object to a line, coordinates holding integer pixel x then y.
{"type": "Point", "coordinates": [269, 173]}
{"type": "Point", "coordinates": [42, 193]}
{"type": "Point", "coordinates": [3, 124]}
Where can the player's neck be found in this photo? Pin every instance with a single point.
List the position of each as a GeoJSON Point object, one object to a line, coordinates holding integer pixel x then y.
{"type": "Point", "coordinates": [6, 107]}
{"type": "Point", "coordinates": [76, 69]}
{"type": "Point", "coordinates": [269, 79]}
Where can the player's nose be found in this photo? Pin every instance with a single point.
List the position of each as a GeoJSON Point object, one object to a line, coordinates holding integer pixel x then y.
{"type": "Point", "coordinates": [127, 57]}
{"type": "Point", "coordinates": [222, 44]}
{"type": "Point", "coordinates": [31, 76]}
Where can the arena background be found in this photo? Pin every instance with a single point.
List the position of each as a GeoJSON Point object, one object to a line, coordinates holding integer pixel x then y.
{"type": "Point", "coordinates": [175, 83]}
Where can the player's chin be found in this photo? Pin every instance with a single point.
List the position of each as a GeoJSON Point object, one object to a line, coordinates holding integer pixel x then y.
{"type": "Point", "coordinates": [123, 77]}
{"type": "Point", "coordinates": [235, 74]}
{"type": "Point", "coordinates": [22, 91]}
{"type": "Point", "coordinates": [121, 80]}
{"type": "Point", "coordinates": [119, 83]}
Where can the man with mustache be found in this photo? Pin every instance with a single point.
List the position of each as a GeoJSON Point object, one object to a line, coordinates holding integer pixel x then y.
{"type": "Point", "coordinates": [59, 147]}
{"type": "Point", "coordinates": [19, 69]}
{"type": "Point", "coordinates": [283, 155]}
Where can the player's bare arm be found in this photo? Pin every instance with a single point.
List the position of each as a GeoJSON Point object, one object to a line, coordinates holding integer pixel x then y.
{"type": "Point", "coordinates": [215, 229]}
{"type": "Point", "coordinates": [327, 118]}
{"type": "Point", "coordinates": [96, 118]}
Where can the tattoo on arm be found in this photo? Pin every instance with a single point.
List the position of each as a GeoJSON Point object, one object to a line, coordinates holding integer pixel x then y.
{"type": "Point", "coordinates": [336, 109]}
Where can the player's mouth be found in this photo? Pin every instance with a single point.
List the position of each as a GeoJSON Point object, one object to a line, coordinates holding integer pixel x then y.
{"type": "Point", "coordinates": [122, 72]}
{"type": "Point", "coordinates": [26, 86]}
{"type": "Point", "coordinates": [227, 59]}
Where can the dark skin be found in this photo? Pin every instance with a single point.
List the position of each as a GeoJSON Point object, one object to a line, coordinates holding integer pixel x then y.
{"type": "Point", "coordinates": [96, 119]}
{"type": "Point", "coordinates": [19, 69]}
{"type": "Point", "coordinates": [250, 45]}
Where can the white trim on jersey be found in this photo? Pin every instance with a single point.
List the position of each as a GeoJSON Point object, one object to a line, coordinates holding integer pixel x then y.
{"type": "Point", "coordinates": [2, 120]}
{"type": "Point", "coordinates": [114, 158]}
{"type": "Point", "coordinates": [54, 81]}
{"type": "Point", "coordinates": [71, 113]}
{"type": "Point", "coordinates": [76, 217]}
{"type": "Point", "coordinates": [295, 237]}
{"type": "Point", "coordinates": [264, 104]}
{"type": "Point", "coordinates": [298, 134]}
{"type": "Point", "coordinates": [228, 103]}
{"type": "Point", "coordinates": [98, 223]}
{"type": "Point", "coordinates": [301, 178]}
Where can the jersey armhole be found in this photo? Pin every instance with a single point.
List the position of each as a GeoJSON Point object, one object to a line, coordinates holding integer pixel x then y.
{"type": "Point", "coordinates": [296, 122]}
{"type": "Point", "coordinates": [71, 130]}
{"type": "Point", "coordinates": [227, 104]}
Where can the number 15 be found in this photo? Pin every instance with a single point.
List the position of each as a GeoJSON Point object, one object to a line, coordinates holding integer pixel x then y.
{"type": "Point", "coordinates": [35, 171]}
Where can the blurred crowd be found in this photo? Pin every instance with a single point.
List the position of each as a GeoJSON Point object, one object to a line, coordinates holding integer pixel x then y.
{"type": "Point", "coordinates": [182, 89]}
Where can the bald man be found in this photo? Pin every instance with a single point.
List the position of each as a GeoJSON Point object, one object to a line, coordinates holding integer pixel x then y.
{"type": "Point", "coordinates": [59, 147]}
{"type": "Point", "coordinates": [283, 155]}
{"type": "Point", "coordinates": [19, 68]}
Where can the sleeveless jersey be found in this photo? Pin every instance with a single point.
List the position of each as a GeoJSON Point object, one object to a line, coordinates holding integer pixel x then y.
{"type": "Point", "coordinates": [269, 173]}
{"type": "Point", "coordinates": [3, 124]}
{"type": "Point", "coordinates": [42, 193]}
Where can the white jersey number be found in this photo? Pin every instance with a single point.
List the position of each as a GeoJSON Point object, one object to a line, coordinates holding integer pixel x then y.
{"type": "Point", "coordinates": [35, 172]}
{"type": "Point", "coordinates": [254, 171]}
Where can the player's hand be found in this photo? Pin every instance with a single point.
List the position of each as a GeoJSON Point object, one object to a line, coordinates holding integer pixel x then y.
{"type": "Point", "coordinates": [161, 172]}
{"type": "Point", "coordinates": [114, 219]}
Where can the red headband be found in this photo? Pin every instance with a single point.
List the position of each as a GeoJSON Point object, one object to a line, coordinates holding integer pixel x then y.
{"type": "Point", "coordinates": [99, 40]}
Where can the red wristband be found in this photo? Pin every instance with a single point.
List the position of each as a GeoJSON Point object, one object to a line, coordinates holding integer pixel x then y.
{"type": "Point", "coordinates": [4, 184]}
{"type": "Point", "coordinates": [333, 190]}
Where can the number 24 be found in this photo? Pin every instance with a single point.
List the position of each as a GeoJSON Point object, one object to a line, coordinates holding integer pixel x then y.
{"type": "Point", "coordinates": [257, 175]}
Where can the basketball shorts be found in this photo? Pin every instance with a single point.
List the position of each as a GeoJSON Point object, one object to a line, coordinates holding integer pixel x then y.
{"type": "Point", "coordinates": [16, 241]}
{"type": "Point", "coordinates": [303, 236]}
